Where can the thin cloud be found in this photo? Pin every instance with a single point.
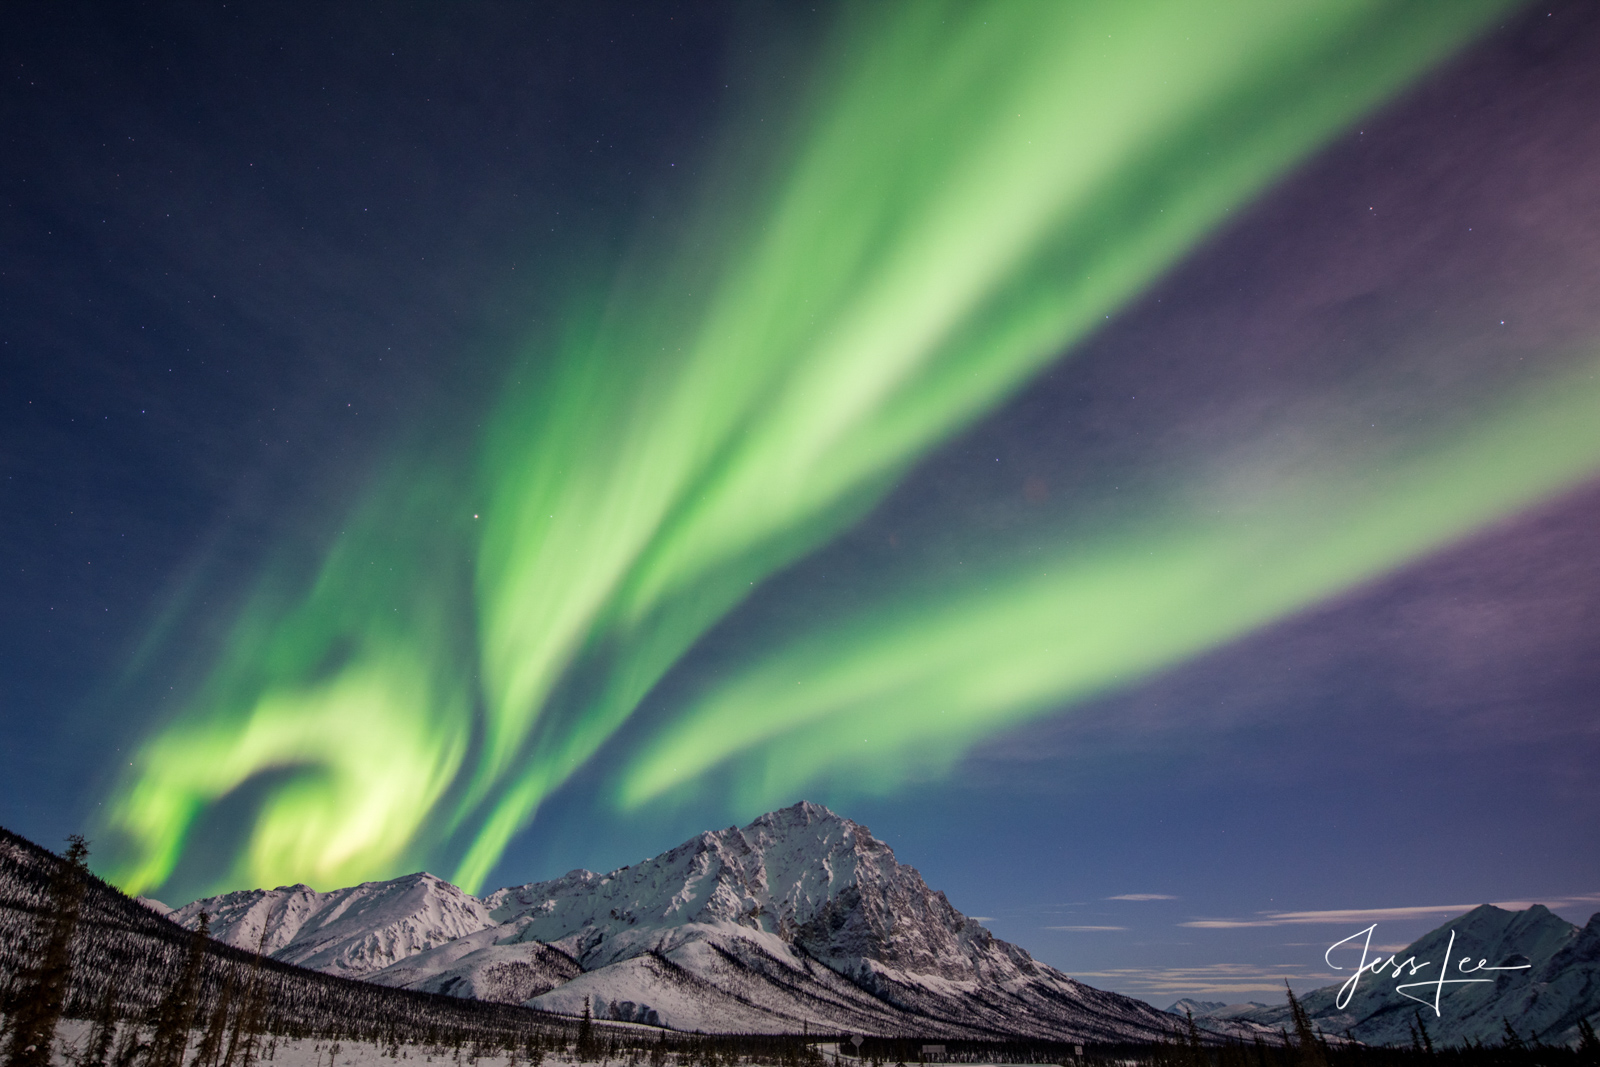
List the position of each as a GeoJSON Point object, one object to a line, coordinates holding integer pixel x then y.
{"type": "Point", "coordinates": [1213, 980]}
{"type": "Point", "coordinates": [1085, 928]}
{"type": "Point", "coordinates": [1344, 915]}
{"type": "Point", "coordinates": [1143, 896]}
{"type": "Point", "coordinates": [1368, 915]}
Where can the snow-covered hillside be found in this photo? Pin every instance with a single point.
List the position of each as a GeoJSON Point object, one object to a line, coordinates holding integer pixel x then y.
{"type": "Point", "coordinates": [1560, 985]}
{"type": "Point", "coordinates": [802, 918]}
{"type": "Point", "coordinates": [351, 932]}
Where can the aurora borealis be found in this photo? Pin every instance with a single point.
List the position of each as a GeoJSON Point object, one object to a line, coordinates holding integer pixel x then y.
{"type": "Point", "coordinates": [620, 575]}
{"type": "Point", "coordinates": [929, 243]}
{"type": "Point", "coordinates": [937, 667]}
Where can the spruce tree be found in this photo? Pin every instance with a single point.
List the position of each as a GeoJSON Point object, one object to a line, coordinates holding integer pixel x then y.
{"type": "Point", "coordinates": [1311, 1051]}
{"type": "Point", "coordinates": [252, 1008]}
{"type": "Point", "coordinates": [44, 993]}
{"type": "Point", "coordinates": [6, 1005]}
{"type": "Point", "coordinates": [247, 1022]}
{"type": "Point", "coordinates": [103, 1031]}
{"type": "Point", "coordinates": [212, 1045]}
{"type": "Point", "coordinates": [1422, 1029]}
{"type": "Point", "coordinates": [175, 1015]}
{"type": "Point", "coordinates": [1195, 1054]}
{"type": "Point", "coordinates": [1588, 1044]}
{"type": "Point", "coordinates": [585, 1049]}
{"type": "Point", "coordinates": [129, 1048]}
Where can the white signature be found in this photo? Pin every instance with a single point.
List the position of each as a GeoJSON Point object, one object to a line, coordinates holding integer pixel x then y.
{"type": "Point", "coordinates": [1397, 965]}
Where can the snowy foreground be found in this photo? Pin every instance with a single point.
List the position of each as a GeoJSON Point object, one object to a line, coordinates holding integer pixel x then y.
{"type": "Point", "coordinates": [308, 1052]}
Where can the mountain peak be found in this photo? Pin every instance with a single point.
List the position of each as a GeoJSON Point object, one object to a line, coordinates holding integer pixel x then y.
{"type": "Point", "coordinates": [798, 915]}
{"type": "Point", "coordinates": [803, 813]}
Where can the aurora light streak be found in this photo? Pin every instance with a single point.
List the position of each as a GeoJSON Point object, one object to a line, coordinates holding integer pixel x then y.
{"type": "Point", "coordinates": [969, 190]}
{"type": "Point", "coordinates": [917, 679]}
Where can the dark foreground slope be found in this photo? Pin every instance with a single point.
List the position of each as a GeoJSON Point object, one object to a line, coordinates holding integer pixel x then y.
{"type": "Point", "coordinates": [125, 948]}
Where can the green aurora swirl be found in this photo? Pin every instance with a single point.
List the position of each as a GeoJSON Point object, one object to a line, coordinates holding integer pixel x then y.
{"type": "Point", "coordinates": [967, 191]}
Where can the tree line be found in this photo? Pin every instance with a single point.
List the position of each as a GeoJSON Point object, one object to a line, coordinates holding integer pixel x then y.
{"type": "Point", "coordinates": [1308, 1046]}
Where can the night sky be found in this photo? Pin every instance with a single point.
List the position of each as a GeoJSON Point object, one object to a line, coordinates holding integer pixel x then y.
{"type": "Point", "coordinates": [1147, 470]}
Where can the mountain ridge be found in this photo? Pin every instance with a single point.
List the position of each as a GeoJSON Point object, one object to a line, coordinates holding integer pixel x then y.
{"type": "Point", "coordinates": [1544, 1002]}
{"type": "Point", "coordinates": [800, 918]}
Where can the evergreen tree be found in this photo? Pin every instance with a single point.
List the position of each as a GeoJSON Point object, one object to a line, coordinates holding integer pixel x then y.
{"type": "Point", "coordinates": [211, 1045]}
{"type": "Point", "coordinates": [176, 1013]}
{"type": "Point", "coordinates": [129, 1048]}
{"type": "Point", "coordinates": [1422, 1029]}
{"type": "Point", "coordinates": [1311, 1050]}
{"type": "Point", "coordinates": [585, 1049]}
{"type": "Point", "coordinates": [247, 1023]}
{"type": "Point", "coordinates": [1512, 1041]}
{"type": "Point", "coordinates": [43, 996]}
{"type": "Point", "coordinates": [1194, 1053]}
{"type": "Point", "coordinates": [1588, 1044]}
{"type": "Point", "coordinates": [6, 1006]}
{"type": "Point", "coordinates": [98, 1046]}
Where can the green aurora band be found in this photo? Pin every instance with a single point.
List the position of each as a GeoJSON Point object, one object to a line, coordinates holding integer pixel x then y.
{"type": "Point", "coordinates": [967, 190]}
{"type": "Point", "coordinates": [917, 679]}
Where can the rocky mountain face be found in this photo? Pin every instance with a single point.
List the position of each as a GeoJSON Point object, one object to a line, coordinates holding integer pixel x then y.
{"type": "Point", "coordinates": [1559, 986]}
{"type": "Point", "coordinates": [800, 919]}
{"type": "Point", "coordinates": [353, 932]}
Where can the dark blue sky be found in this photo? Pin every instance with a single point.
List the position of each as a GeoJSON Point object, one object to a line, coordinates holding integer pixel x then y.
{"type": "Point", "coordinates": [247, 252]}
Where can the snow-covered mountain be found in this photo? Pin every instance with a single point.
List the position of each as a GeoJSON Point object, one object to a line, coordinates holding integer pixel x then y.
{"type": "Point", "coordinates": [802, 918]}
{"type": "Point", "coordinates": [1560, 986]}
{"type": "Point", "coordinates": [353, 932]}
{"type": "Point", "coordinates": [1214, 1009]}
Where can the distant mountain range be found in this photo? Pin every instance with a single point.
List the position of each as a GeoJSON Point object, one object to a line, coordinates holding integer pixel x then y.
{"type": "Point", "coordinates": [1560, 985]}
{"type": "Point", "coordinates": [802, 919]}
{"type": "Point", "coordinates": [1215, 1009]}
